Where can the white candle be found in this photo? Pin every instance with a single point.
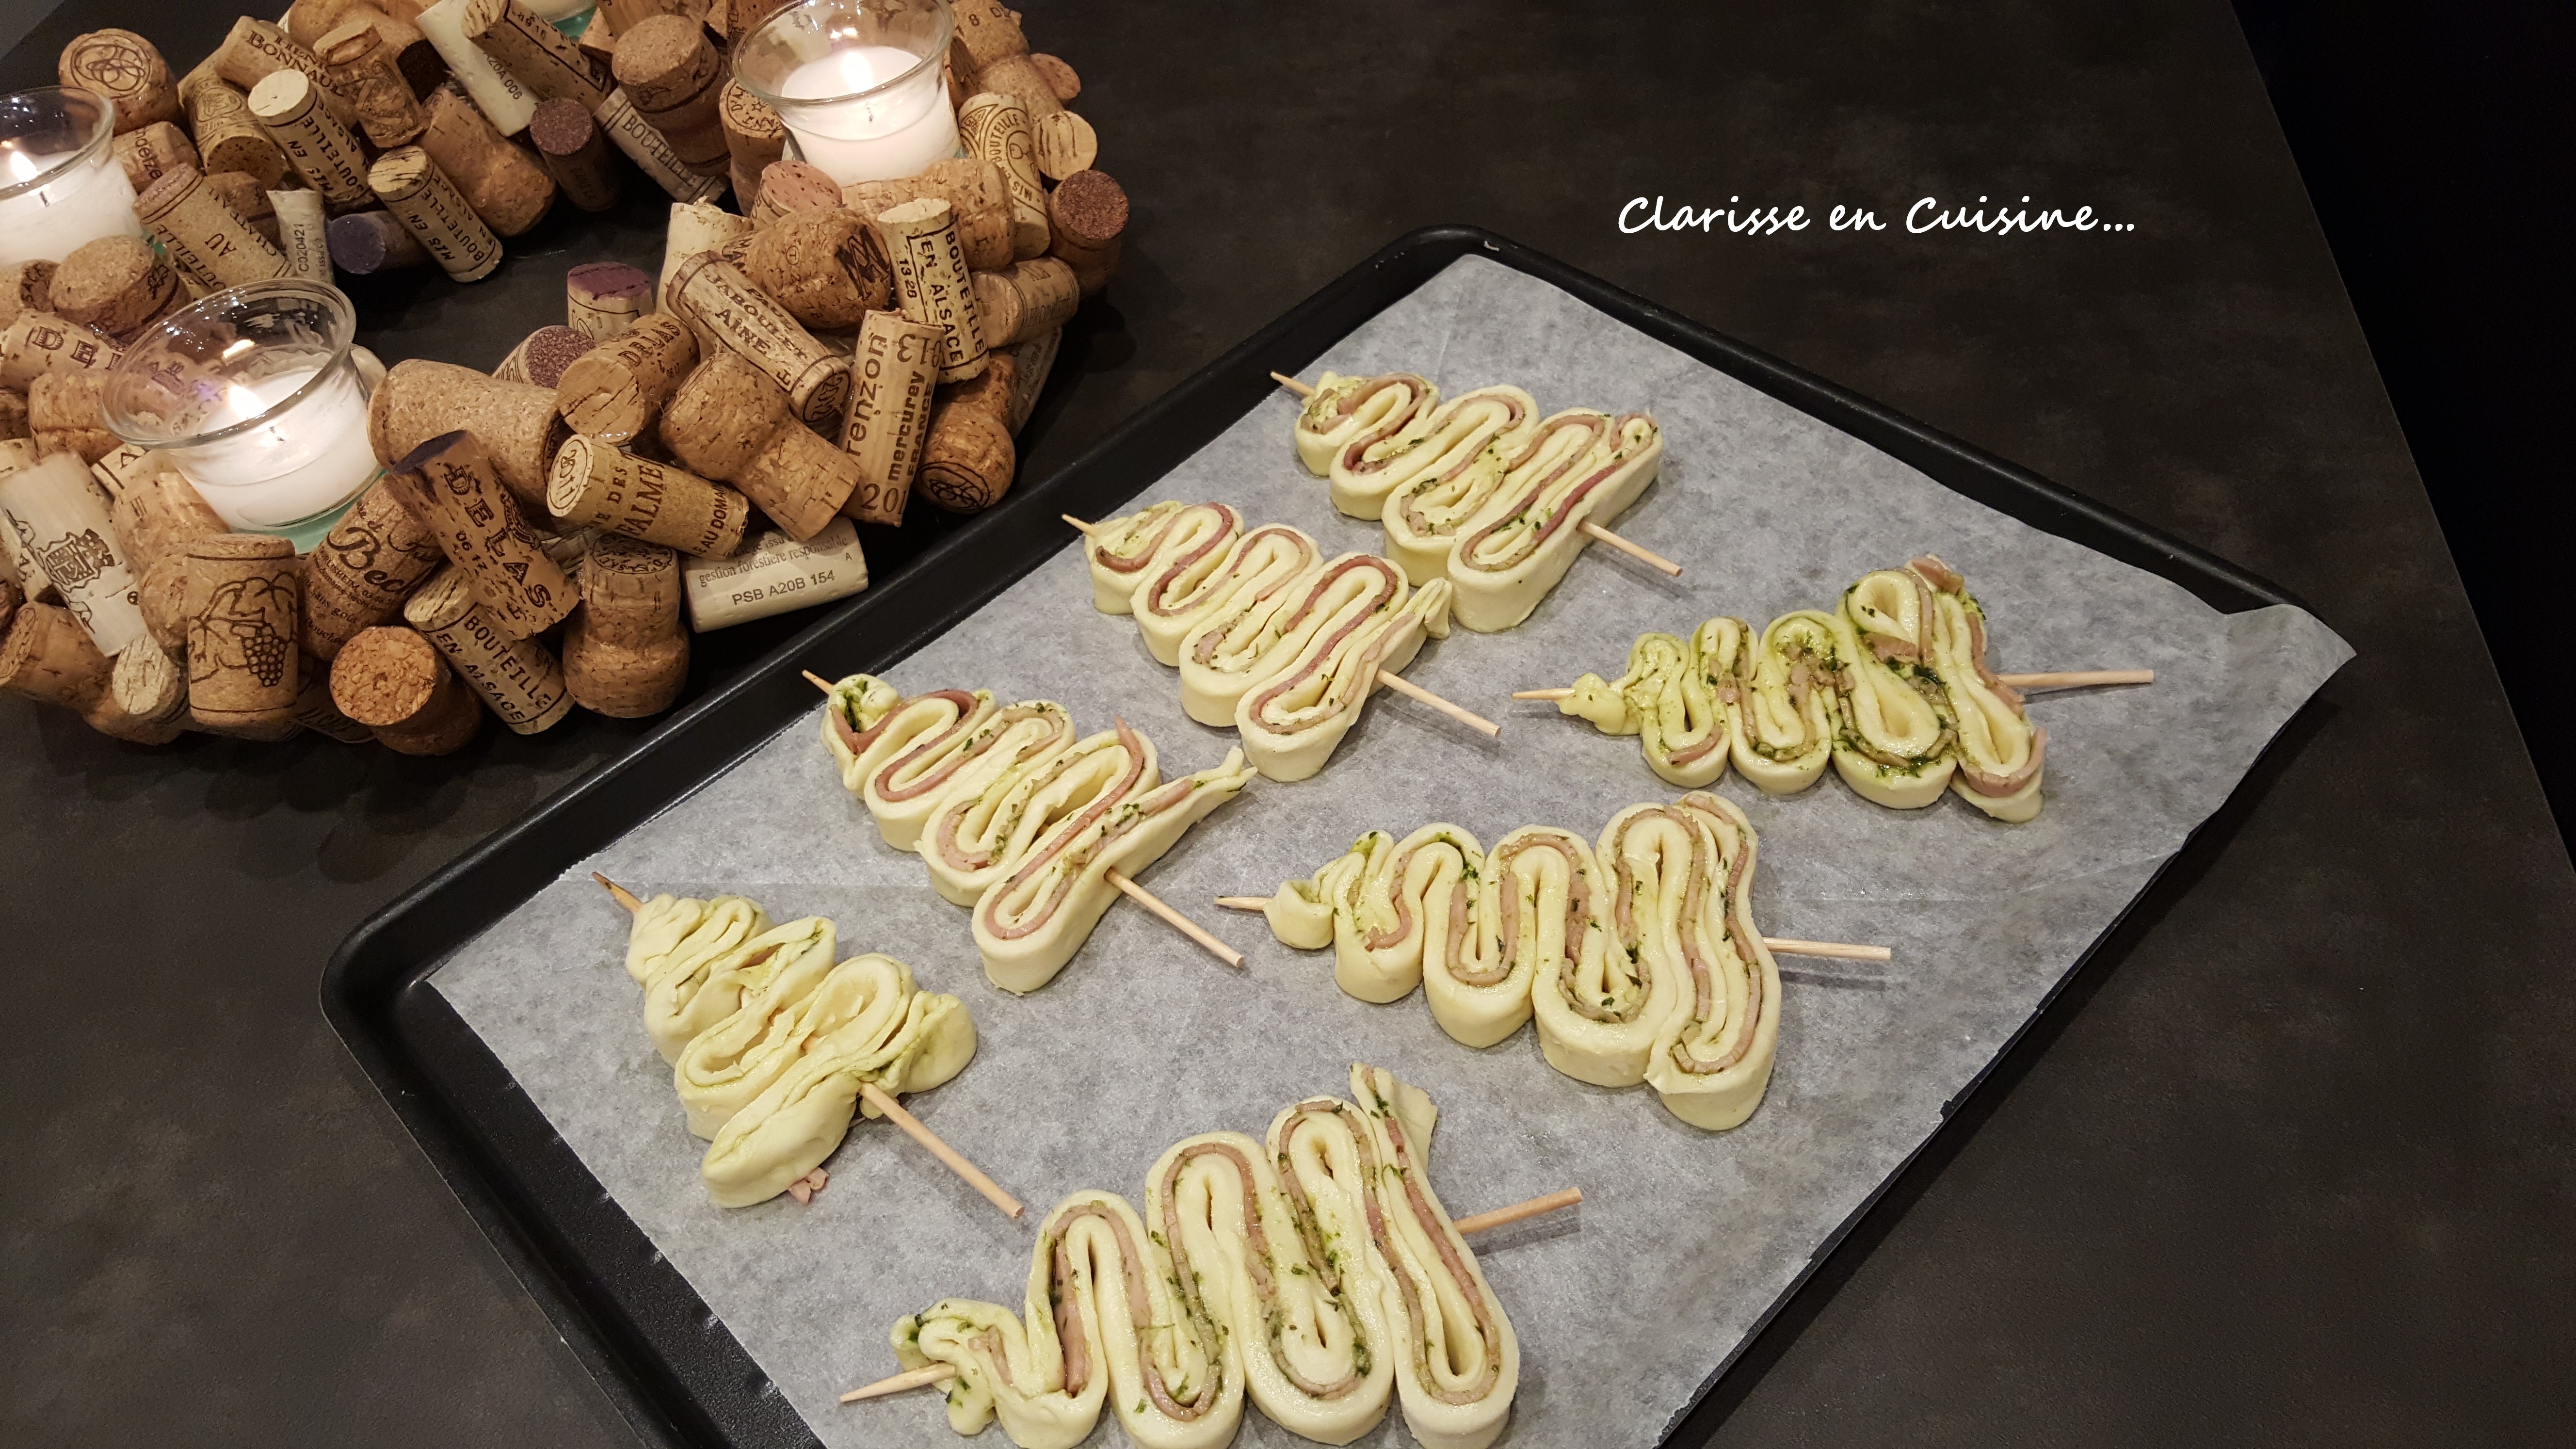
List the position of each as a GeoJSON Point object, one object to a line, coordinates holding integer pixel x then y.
{"type": "Point", "coordinates": [895, 132]}
{"type": "Point", "coordinates": [303, 461]}
{"type": "Point", "coordinates": [79, 196]}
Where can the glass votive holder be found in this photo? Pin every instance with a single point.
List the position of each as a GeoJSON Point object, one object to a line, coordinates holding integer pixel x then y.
{"type": "Point", "coordinates": [60, 183]}
{"type": "Point", "coordinates": [857, 82]}
{"type": "Point", "coordinates": [256, 396]}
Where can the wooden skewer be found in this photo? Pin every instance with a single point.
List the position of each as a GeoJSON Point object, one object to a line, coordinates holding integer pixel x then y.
{"type": "Point", "coordinates": [1467, 717]}
{"type": "Point", "coordinates": [1176, 920]}
{"type": "Point", "coordinates": [2078, 678]}
{"type": "Point", "coordinates": [1083, 527]}
{"type": "Point", "coordinates": [940, 1373]}
{"type": "Point", "coordinates": [1841, 951]}
{"type": "Point", "coordinates": [884, 1102]}
{"type": "Point", "coordinates": [1542, 694]}
{"type": "Point", "coordinates": [818, 681]}
{"type": "Point", "coordinates": [1588, 528]}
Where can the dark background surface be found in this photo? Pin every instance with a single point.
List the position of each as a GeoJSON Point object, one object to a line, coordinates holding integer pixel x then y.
{"type": "Point", "coordinates": [2289, 1163]}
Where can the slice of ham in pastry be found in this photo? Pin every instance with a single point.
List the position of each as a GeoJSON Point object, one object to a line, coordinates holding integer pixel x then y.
{"type": "Point", "coordinates": [2000, 750]}
{"type": "Point", "coordinates": [1896, 744]}
{"type": "Point", "coordinates": [1385, 907]}
{"type": "Point", "coordinates": [1440, 478]}
{"type": "Point", "coordinates": [1337, 412]}
{"type": "Point", "coordinates": [978, 834]}
{"type": "Point", "coordinates": [1518, 547]}
{"type": "Point", "coordinates": [1183, 596]}
{"type": "Point", "coordinates": [906, 791]}
{"type": "Point", "coordinates": [1599, 1014]}
{"type": "Point", "coordinates": [1400, 406]}
{"type": "Point", "coordinates": [1674, 697]}
{"type": "Point", "coordinates": [691, 996]}
{"type": "Point", "coordinates": [1362, 623]}
{"type": "Point", "coordinates": [1538, 910]}
{"type": "Point", "coordinates": [1232, 649]}
{"type": "Point", "coordinates": [1125, 553]}
{"type": "Point", "coordinates": [909, 740]}
{"type": "Point", "coordinates": [852, 719]}
{"type": "Point", "coordinates": [1712, 1061]}
{"type": "Point", "coordinates": [1786, 709]}
{"type": "Point", "coordinates": [667, 930]}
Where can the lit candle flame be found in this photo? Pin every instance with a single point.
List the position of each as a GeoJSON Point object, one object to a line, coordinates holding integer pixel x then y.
{"type": "Point", "coordinates": [22, 167]}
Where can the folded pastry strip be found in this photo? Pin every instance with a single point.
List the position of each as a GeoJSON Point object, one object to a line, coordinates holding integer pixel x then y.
{"type": "Point", "coordinates": [1356, 620]}
{"type": "Point", "coordinates": [671, 929]}
{"type": "Point", "coordinates": [1999, 749]}
{"type": "Point", "coordinates": [1440, 477]}
{"type": "Point", "coordinates": [1128, 552]}
{"type": "Point", "coordinates": [910, 739]}
{"type": "Point", "coordinates": [1343, 408]}
{"type": "Point", "coordinates": [979, 833]}
{"type": "Point", "coordinates": [1399, 406]}
{"type": "Point", "coordinates": [908, 790]}
{"type": "Point", "coordinates": [1674, 697]}
{"type": "Point", "coordinates": [1897, 741]}
{"type": "Point", "coordinates": [692, 995]}
{"type": "Point", "coordinates": [1315, 1271]}
{"type": "Point", "coordinates": [1783, 704]}
{"type": "Point", "coordinates": [1518, 547]}
{"type": "Point", "coordinates": [1712, 1060]}
{"type": "Point", "coordinates": [1233, 648]}
{"type": "Point", "coordinates": [1385, 908]}
{"type": "Point", "coordinates": [1599, 1011]}
{"type": "Point", "coordinates": [1538, 913]}
{"type": "Point", "coordinates": [1256, 566]}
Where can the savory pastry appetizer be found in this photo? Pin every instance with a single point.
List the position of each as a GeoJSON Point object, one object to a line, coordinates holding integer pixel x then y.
{"type": "Point", "coordinates": [1516, 549]}
{"type": "Point", "coordinates": [1130, 552]}
{"type": "Point", "coordinates": [1351, 622]}
{"type": "Point", "coordinates": [1423, 486]}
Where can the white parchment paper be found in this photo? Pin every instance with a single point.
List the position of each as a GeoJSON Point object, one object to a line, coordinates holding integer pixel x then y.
{"type": "Point", "coordinates": [1624, 1308]}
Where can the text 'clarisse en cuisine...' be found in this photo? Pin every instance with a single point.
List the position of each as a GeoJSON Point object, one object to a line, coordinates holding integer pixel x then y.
{"type": "Point", "coordinates": [1926, 215]}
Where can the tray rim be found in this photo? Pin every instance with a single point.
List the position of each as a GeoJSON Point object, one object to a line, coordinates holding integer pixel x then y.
{"type": "Point", "coordinates": [374, 990]}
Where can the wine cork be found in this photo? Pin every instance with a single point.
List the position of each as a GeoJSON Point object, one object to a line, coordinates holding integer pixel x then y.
{"type": "Point", "coordinates": [627, 14]}
{"type": "Point", "coordinates": [208, 240]}
{"type": "Point", "coordinates": [42, 344]}
{"type": "Point", "coordinates": [366, 70]}
{"type": "Point", "coordinates": [227, 135]}
{"type": "Point", "coordinates": [47, 658]}
{"type": "Point", "coordinates": [117, 285]}
{"type": "Point", "coordinates": [827, 268]}
{"type": "Point", "coordinates": [729, 421]}
{"type": "Point", "coordinates": [721, 304]}
{"type": "Point", "coordinates": [625, 654]}
{"type": "Point", "coordinates": [1019, 78]}
{"type": "Point", "coordinates": [979, 200]}
{"type": "Point", "coordinates": [996, 127]}
{"type": "Point", "coordinates": [1024, 299]}
{"type": "Point", "coordinates": [496, 92]}
{"type": "Point", "coordinates": [148, 687]}
{"type": "Point", "coordinates": [596, 485]}
{"type": "Point", "coordinates": [517, 677]}
{"type": "Point", "coordinates": [599, 39]}
{"type": "Point", "coordinates": [930, 282]}
{"type": "Point", "coordinates": [244, 593]}
{"type": "Point", "coordinates": [672, 75]}
{"type": "Point", "coordinates": [61, 524]}
{"type": "Point", "coordinates": [1089, 213]}
{"type": "Point", "coordinates": [547, 62]}
{"type": "Point", "coordinates": [361, 572]}
{"type": "Point", "coordinates": [787, 188]}
{"type": "Point", "coordinates": [542, 355]}
{"type": "Point", "coordinates": [514, 422]}
{"type": "Point", "coordinates": [1066, 144]}
{"type": "Point", "coordinates": [321, 149]}
{"type": "Point", "coordinates": [13, 415]}
{"type": "Point", "coordinates": [966, 462]}
{"type": "Point", "coordinates": [157, 512]}
{"type": "Point", "coordinates": [303, 233]}
{"type": "Point", "coordinates": [603, 299]}
{"type": "Point", "coordinates": [502, 182]}
{"type": "Point", "coordinates": [652, 154]}
{"type": "Point", "coordinates": [420, 196]}
{"type": "Point", "coordinates": [450, 489]}
{"type": "Point", "coordinates": [988, 392]}
{"type": "Point", "coordinates": [575, 154]}
{"type": "Point", "coordinates": [754, 136]}
{"type": "Point", "coordinates": [315, 711]}
{"type": "Point", "coordinates": [256, 50]}
{"type": "Point", "coordinates": [241, 191]}
{"type": "Point", "coordinates": [989, 30]}
{"type": "Point", "coordinates": [125, 68]}
{"type": "Point", "coordinates": [364, 243]}
{"type": "Point", "coordinates": [152, 152]}
{"type": "Point", "coordinates": [696, 227]}
{"type": "Point", "coordinates": [26, 287]}
{"type": "Point", "coordinates": [742, 17]}
{"type": "Point", "coordinates": [395, 682]}
{"type": "Point", "coordinates": [1060, 77]}
{"type": "Point", "coordinates": [314, 22]}
{"type": "Point", "coordinates": [614, 391]}
{"type": "Point", "coordinates": [63, 416]}
{"type": "Point", "coordinates": [774, 575]}
{"type": "Point", "coordinates": [892, 376]}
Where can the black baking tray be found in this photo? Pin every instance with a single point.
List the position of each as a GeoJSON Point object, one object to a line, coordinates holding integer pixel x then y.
{"type": "Point", "coordinates": [671, 1366]}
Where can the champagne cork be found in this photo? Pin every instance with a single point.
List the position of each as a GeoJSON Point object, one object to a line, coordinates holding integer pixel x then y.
{"type": "Point", "coordinates": [988, 392]}
{"type": "Point", "coordinates": [47, 658]}
{"type": "Point", "coordinates": [930, 282]}
{"type": "Point", "coordinates": [652, 154]}
{"type": "Point", "coordinates": [616, 390]}
{"type": "Point", "coordinates": [598, 486]}
{"type": "Point", "coordinates": [1024, 299]}
{"type": "Point", "coordinates": [979, 200]}
{"type": "Point", "coordinates": [517, 677]}
{"type": "Point", "coordinates": [208, 240]}
{"type": "Point", "coordinates": [63, 416]}
{"type": "Point", "coordinates": [826, 268]}
{"type": "Point", "coordinates": [1019, 78]}
{"type": "Point", "coordinates": [366, 70]}
{"type": "Point", "coordinates": [256, 50]}
{"type": "Point", "coordinates": [152, 152]}
{"type": "Point", "coordinates": [625, 654]}
{"type": "Point", "coordinates": [966, 462]}
{"type": "Point", "coordinates": [892, 376]}
{"type": "Point", "coordinates": [696, 227]}
{"type": "Point", "coordinates": [989, 30]}
{"type": "Point", "coordinates": [322, 150]}
{"type": "Point", "coordinates": [575, 154]}
{"type": "Point", "coordinates": [672, 75]}
{"type": "Point", "coordinates": [396, 684]}
{"type": "Point", "coordinates": [514, 422]}
{"type": "Point", "coordinates": [754, 137]}
{"type": "Point", "coordinates": [315, 711]}
{"type": "Point", "coordinates": [996, 127]}
{"type": "Point", "coordinates": [13, 415]}
{"type": "Point", "coordinates": [303, 233]}
{"type": "Point", "coordinates": [1089, 213]}
{"type": "Point", "coordinates": [1060, 77]}
{"type": "Point", "coordinates": [542, 355]}
{"type": "Point", "coordinates": [148, 687]}
{"type": "Point", "coordinates": [603, 299]}
{"type": "Point", "coordinates": [361, 572]}
{"type": "Point", "coordinates": [228, 136]}
{"type": "Point", "coordinates": [496, 92]}
{"type": "Point", "coordinates": [26, 287]}
{"type": "Point", "coordinates": [117, 285]}
{"type": "Point", "coordinates": [59, 522]}
{"type": "Point", "coordinates": [125, 68]}
{"type": "Point", "coordinates": [546, 61]}
{"type": "Point", "coordinates": [313, 23]}
{"type": "Point", "coordinates": [10, 598]}
{"type": "Point", "coordinates": [419, 195]}
{"type": "Point", "coordinates": [450, 489]}
{"type": "Point", "coordinates": [787, 188]}
{"type": "Point", "coordinates": [729, 421]}
{"type": "Point", "coordinates": [502, 182]}
{"type": "Point", "coordinates": [42, 344]}
{"type": "Point", "coordinates": [1066, 145]}
{"type": "Point", "coordinates": [244, 593]}
{"type": "Point", "coordinates": [722, 305]}
{"type": "Point", "coordinates": [774, 575]}
{"type": "Point", "coordinates": [364, 243]}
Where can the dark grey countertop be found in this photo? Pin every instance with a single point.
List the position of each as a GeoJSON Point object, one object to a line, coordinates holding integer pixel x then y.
{"type": "Point", "coordinates": [2288, 1163]}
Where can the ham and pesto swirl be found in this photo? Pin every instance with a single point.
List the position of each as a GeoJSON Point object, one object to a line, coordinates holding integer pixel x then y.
{"type": "Point", "coordinates": [1313, 1272]}
{"type": "Point", "coordinates": [1516, 549]}
{"type": "Point", "coordinates": [1343, 410]}
{"type": "Point", "coordinates": [1440, 477]}
{"type": "Point", "coordinates": [1712, 1055]}
{"type": "Point", "coordinates": [1352, 619]}
{"type": "Point", "coordinates": [1180, 605]}
{"type": "Point", "coordinates": [1130, 552]}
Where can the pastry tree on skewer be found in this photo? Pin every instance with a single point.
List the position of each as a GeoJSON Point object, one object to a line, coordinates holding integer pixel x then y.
{"type": "Point", "coordinates": [1314, 1272]}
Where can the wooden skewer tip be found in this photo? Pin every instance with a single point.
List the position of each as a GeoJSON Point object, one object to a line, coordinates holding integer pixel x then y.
{"type": "Point", "coordinates": [1499, 1217]}
{"type": "Point", "coordinates": [818, 681]}
{"type": "Point", "coordinates": [1467, 717]}
{"type": "Point", "coordinates": [1542, 694]}
{"type": "Point", "coordinates": [2077, 678]}
{"type": "Point", "coordinates": [1176, 920]}
{"type": "Point", "coordinates": [1079, 525]}
{"type": "Point", "coordinates": [1292, 384]}
{"type": "Point", "coordinates": [1639, 552]}
{"type": "Point", "coordinates": [883, 1100]}
{"type": "Point", "coordinates": [1834, 950]}
{"type": "Point", "coordinates": [622, 895]}
{"type": "Point", "coordinates": [1244, 903]}
{"type": "Point", "coordinates": [920, 1378]}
